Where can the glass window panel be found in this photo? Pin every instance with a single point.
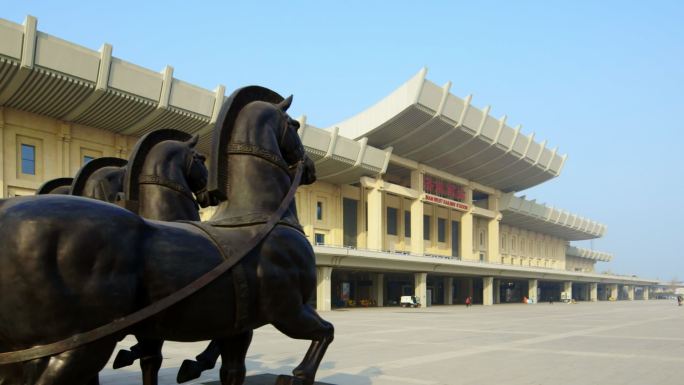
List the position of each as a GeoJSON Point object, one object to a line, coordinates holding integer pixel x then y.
{"type": "Point", "coordinates": [392, 221]}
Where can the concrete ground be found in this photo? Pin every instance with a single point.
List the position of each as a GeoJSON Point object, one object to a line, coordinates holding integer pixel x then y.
{"type": "Point", "coordinates": [639, 342]}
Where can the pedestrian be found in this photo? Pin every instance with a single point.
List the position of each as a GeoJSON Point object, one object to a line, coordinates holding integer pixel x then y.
{"type": "Point", "coordinates": [468, 301]}
{"type": "Point", "coordinates": [680, 299]}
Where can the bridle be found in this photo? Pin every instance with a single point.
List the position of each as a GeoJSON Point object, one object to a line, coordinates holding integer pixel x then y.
{"type": "Point", "coordinates": [241, 148]}
{"type": "Point", "coordinates": [175, 186]}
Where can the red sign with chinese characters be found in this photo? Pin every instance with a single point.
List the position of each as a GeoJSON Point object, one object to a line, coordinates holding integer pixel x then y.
{"type": "Point", "coordinates": [446, 202]}
{"type": "Point", "coordinates": [435, 186]}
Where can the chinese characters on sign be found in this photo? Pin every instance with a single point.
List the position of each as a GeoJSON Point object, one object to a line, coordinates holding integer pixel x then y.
{"type": "Point", "coordinates": [444, 193]}
{"type": "Point", "coordinates": [446, 202]}
{"type": "Point", "coordinates": [435, 186]}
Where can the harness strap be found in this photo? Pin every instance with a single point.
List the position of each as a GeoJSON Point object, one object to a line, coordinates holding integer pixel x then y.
{"type": "Point", "coordinates": [252, 149]}
{"type": "Point", "coordinates": [120, 324]}
{"type": "Point", "coordinates": [160, 181]}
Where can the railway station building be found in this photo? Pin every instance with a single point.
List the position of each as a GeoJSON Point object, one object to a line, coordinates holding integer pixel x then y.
{"type": "Point", "coordinates": [422, 194]}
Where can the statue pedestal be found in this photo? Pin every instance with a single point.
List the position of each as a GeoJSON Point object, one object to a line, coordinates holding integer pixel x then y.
{"type": "Point", "coordinates": [270, 379]}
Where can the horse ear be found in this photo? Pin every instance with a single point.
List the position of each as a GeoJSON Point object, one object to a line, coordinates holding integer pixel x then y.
{"type": "Point", "coordinates": [193, 141]}
{"type": "Point", "coordinates": [285, 104]}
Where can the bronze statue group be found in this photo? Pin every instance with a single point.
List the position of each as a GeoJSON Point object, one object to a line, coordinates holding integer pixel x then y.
{"type": "Point", "coordinates": [120, 250]}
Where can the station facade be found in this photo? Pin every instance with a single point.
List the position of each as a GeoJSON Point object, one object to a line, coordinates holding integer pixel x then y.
{"type": "Point", "coordinates": [418, 195]}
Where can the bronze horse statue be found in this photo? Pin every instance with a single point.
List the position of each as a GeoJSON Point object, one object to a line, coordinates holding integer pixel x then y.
{"type": "Point", "coordinates": [77, 265]}
{"type": "Point", "coordinates": [168, 171]}
{"type": "Point", "coordinates": [55, 186]}
{"type": "Point", "coordinates": [164, 179]}
{"type": "Point", "coordinates": [101, 178]}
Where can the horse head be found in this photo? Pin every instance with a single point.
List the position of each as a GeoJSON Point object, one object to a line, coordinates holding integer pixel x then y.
{"type": "Point", "coordinates": [270, 126]}
{"type": "Point", "coordinates": [168, 157]}
{"type": "Point", "coordinates": [101, 179]}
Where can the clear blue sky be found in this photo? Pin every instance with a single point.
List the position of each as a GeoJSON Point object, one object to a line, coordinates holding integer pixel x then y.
{"type": "Point", "coordinates": [601, 80]}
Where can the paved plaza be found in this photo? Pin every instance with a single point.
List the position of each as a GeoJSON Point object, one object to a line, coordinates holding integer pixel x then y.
{"type": "Point", "coordinates": [639, 342]}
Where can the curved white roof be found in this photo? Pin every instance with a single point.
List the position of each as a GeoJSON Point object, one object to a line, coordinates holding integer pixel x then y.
{"type": "Point", "coordinates": [341, 160]}
{"type": "Point", "coordinates": [426, 123]}
{"type": "Point", "coordinates": [528, 214]}
{"type": "Point", "coordinates": [579, 252]}
{"type": "Point", "coordinates": [49, 76]}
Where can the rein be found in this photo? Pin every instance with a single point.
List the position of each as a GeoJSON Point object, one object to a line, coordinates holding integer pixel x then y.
{"type": "Point", "coordinates": [120, 324]}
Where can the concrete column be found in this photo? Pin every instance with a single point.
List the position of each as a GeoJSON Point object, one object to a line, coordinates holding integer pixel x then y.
{"type": "Point", "coordinates": [614, 291]}
{"type": "Point", "coordinates": [417, 246]}
{"type": "Point", "coordinates": [379, 289]}
{"type": "Point", "coordinates": [449, 291]}
{"type": "Point", "coordinates": [646, 292]}
{"type": "Point", "coordinates": [493, 248]}
{"type": "Point", "coordinates": [323, 288]}
{"type": "Point", "coordinates": [593, 292]}
{"type": "Point", "coordinates": [466, 234]}
{"type": "Point", "coordinates": [376, 222]}
{"type": "Point", "coordinates": [532, 285]}
{"type": "Point", "coordinates": [421, 287]}
{"type": "Point", "coordinates": [3, 162]}
{"type": "Point", "coordinates": [497, 291]}
{"type": "Point", "coordinates": [487, 291]}
{"type": "Point", "coordinates": [630, 292]}
{"type": "Point", "coordinates": [567, 287]}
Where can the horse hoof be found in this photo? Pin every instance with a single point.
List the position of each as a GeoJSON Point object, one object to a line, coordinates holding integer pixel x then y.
{"type": "Point", "coordinates": [189, 370]}
{"type": "Point", "coordinates": [124, 358]}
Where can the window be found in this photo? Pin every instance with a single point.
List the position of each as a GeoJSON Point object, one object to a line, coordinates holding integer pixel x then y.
{"type": "Point", "coordinates": [441, 230]}
{"type": "Point", "coordinates": [319, 210]}
{"type": "Point", "coordinates": [392, 220]}
{"type": "Point", "coordinates": [87, 159]}
{"type": "Point", "coordinates": [482, 238]}
{"type": "Point", "coordinates": [481, 257]}
{"type": "Point", "coordinates": [503, 242]}
{"type": "Point", "coordinates": [407, 224]}
{"type": "Point", "coordinates": [319, 239]}
{"type": "Point", "coordinates": [350, 221]}
{"type": "Point", "coordinates": [426, 227]}
{"type": "Point", "coordinates": [28, 159]}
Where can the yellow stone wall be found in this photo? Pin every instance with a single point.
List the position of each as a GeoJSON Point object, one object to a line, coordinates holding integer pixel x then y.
{"type": "Point", "coordinates": [528, 248]}
{"type": "Point", "coordinates": [60, 148]}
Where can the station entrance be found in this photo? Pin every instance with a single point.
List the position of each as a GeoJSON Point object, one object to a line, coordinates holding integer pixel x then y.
{"type": "Point", "coordinates": [512, 291]}
{"type": "Point", "coordinates": [549, 291]}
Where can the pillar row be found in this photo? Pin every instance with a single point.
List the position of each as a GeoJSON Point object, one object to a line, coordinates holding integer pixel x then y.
{"type": "Point", "coordinates": [614, 291]}
{"type": "Point", "coordinates": [323, 288]}
{"type": "Point", "coordinates": [532, 290]}
{"type": "Point", "coordinates": [421, 287]}
{"type": "Point", "coordinates": [487, 291]}
{"type": "Point", "coordinates": [567, 287]}
{"type": "Point", "coordinates": [375, 235]}
{"type": "Point", "coordinates": [593, 292]}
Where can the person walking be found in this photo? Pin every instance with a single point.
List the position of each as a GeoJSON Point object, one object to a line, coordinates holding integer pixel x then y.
{"type": "Point", "coordinates": [468, 301]}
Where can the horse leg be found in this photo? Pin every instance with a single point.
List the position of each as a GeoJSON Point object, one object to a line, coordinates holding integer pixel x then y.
{"type": "Point", "coordinates": [206, 360]}
{"type": "Point", "coordinates": [77, 366]}
{"type": "Point", "coordinates": [150, 360]}
{"type": "Point", "coordinates": [308, 325]}
{"type": "Point", "coordinates": [233, 352]}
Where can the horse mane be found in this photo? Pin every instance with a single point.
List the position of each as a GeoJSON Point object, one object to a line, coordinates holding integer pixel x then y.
{"type": "Point", "coordinates": [225, 123]}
